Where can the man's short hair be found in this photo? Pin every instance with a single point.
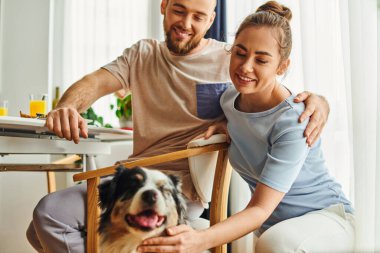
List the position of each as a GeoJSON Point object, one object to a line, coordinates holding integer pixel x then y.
{"type": "Point", "coordinates": [215, 3]}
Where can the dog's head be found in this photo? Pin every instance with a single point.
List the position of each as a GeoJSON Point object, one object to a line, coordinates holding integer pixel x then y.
{"type": "Point", "coordinates": [141, 201]}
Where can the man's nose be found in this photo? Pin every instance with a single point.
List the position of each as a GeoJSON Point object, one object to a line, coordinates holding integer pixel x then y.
{"type": "Point", "coordinates": [187, 22]}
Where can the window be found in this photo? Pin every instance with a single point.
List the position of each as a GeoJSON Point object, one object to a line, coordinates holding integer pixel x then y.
{"type": "Point", "coordinates": [90, 33]}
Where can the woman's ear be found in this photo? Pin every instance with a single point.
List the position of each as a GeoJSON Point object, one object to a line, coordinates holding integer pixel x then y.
{"type": "Point", "coordinates": [164, 3]}
{"type": "Point", "coordinates": [283, 67]}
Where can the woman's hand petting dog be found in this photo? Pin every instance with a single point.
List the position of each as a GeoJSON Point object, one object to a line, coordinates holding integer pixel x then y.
{"type": "Point", "coordinates": [180, 239]}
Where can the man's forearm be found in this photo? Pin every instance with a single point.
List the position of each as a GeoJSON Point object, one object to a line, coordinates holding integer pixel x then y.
{"type": "Point", "coordinates": [83, 93]}
{"type": "Point", "coordinates": [80, 96]}
{"type": "Point", "coordinates": [65, 120]}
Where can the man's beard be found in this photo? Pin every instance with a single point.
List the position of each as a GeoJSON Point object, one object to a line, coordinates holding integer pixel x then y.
{"type": "Point", "coordinates": [176, 47]}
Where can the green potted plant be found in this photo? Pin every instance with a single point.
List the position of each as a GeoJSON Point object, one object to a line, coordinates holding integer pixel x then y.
{"type": "Point", "coordinates": [94, 119]}
{"type": "Point", "coordinates": [124, 111]}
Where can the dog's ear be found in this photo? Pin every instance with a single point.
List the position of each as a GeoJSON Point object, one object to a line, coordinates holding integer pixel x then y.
{"type": "Point", "coordinates": [119, 170]}
{"type": "Point", "coordinates": [179, 199]}
{"type": "Point", "coordinates": [107, 189]}
{"type": "Point", "coordinates": [176, 182]}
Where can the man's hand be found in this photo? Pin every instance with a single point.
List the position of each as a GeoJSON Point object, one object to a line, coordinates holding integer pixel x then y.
{"type": "Point", "coordinates": [180, 239]}
{"type": "Point", "coordinates": [66, 122]}
{"type": "Point", "coordinates": [318, 110]}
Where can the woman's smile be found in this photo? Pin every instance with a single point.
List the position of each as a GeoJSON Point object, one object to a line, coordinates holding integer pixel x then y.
{"type": "Point", "coordinates": [242, 81]}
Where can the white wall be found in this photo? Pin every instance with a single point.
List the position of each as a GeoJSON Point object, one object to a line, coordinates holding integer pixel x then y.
{"type": "Point", "coordinates": [24, 33]}
{"type": "Point", "coordinates": [25, 40]}
{"type": "Point", "coordinates": [1, 42]}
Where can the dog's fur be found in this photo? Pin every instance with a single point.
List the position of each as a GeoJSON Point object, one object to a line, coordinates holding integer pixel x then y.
{"type": "Point", "coordinates": [136, 204]}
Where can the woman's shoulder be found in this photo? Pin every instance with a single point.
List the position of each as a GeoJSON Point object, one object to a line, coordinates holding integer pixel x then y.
{"type": "Point", "coordinates": [288, 120]}
{"type": "Point", "coordinates": [291, 111]}
{"type": "Point", "coordinates": [229, 94]}
{"type": "Point", "coordinates": [296, 108]}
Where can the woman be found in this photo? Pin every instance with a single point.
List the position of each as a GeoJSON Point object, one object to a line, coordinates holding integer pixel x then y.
{"type": "Point", "coordinates": [296, 206]}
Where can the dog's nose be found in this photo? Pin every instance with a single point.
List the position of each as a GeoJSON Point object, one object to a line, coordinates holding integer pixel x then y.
{"type": "Point", "coordinates": [149, 197]}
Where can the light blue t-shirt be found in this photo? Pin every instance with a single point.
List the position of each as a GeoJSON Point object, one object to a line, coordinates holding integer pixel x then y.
{"type": "Point", "coordinates": [269, 147]}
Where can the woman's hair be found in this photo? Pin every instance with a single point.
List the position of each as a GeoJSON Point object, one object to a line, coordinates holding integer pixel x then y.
{"type": "Point", "coordinates": [276, 16]}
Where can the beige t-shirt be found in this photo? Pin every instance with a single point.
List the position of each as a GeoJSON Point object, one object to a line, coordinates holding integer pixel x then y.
{"type": "Point", "coordinates": [175, 98]}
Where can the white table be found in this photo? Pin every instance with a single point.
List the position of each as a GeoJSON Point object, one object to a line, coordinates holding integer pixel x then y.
{"type": "Point", "coordinates": [30, 136]}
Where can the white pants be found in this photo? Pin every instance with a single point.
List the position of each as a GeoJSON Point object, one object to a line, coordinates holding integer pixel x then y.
{"type": "Point", "coordinates": [329, 230]}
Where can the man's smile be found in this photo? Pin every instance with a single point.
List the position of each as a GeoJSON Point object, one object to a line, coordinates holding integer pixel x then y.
{"type": "Point", "coordinates": [180, 33]}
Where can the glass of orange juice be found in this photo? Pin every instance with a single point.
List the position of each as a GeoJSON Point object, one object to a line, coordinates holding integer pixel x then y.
{"type": "Point", "coordinates": [37, 104]}
{"type": "Point", "coordinates": [3, 108]}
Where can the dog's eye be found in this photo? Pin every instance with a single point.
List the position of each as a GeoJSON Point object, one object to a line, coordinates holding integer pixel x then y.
{"type": "Point", "coordinates": [138, 177]}
{"type": "Point", "coordinates": [165, 189]}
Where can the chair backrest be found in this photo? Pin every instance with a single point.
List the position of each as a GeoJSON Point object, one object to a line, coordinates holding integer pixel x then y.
{"type": "Point", "coordinates": [218, 209]}
{"type": "Point", "coordinates": [202, 167]}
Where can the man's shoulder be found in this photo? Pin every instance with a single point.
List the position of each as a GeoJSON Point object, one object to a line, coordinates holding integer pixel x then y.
{"type": "Point", "coordinates": [215, 55]}
{"type": "Point", "coordinates": [142, 48]}
{"type": "Point", "coordinates": [216, 45]}
{"type": "Point", "coordinates": [153, 42]}
{"type": "Point", "coordinates": [146, 44]}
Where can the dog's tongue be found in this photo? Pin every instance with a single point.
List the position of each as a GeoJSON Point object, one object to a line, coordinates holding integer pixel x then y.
{"type": "Point", "coordinates": [149, 221]}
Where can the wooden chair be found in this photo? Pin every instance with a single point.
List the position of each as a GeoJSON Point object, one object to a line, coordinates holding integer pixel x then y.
{"type": "Point", "coordinates": [219, 198]}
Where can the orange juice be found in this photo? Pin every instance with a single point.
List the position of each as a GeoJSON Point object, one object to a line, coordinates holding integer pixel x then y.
{"type": "Point", "coordinates": [3, 111]}
{"type": "Point", "coordinates": [37, 106]}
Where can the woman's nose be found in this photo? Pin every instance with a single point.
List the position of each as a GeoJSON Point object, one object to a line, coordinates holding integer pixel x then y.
{"type": "Point", "coordinates": [247, 66]}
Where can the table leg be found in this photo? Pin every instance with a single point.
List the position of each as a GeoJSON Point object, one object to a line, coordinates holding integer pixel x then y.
{"type": "Point", "coordinates": [89, 162]}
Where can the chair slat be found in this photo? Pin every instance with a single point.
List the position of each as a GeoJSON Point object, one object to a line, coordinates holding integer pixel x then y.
{"type": "Point", "coordinates": [151, 161]}
{"type": "Point", "coordinates": [93, 213]}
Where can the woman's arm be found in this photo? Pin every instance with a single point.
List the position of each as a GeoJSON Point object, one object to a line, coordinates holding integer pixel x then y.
{"type": "Point", "coordinates": [263, 202]}
{"type": "Point", "coordinates": [185, 239]}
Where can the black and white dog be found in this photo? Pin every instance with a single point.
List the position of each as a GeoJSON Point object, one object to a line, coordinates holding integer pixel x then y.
{"type": "Point", "coordinates": [136, 204]}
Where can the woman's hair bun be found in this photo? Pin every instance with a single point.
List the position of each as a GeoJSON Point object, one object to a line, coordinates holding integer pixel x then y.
{"type": "Point", "coordinates": [276, 8]}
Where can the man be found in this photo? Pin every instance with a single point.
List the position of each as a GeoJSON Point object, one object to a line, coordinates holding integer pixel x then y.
{"type": "Point", "coordinates": [176, 87]}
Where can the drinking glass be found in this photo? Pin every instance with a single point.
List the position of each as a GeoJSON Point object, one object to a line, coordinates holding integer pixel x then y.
{"type": "Point", "coordinates": [37, 104]}
{"type": "Point", "coordinates": [3, 108]}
